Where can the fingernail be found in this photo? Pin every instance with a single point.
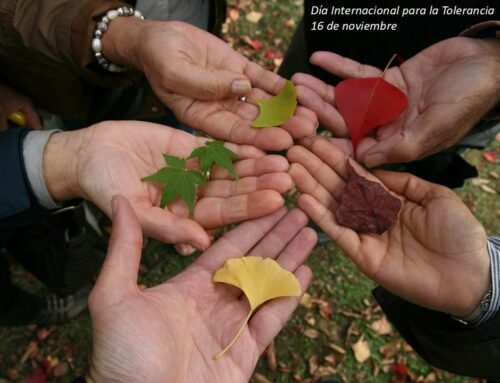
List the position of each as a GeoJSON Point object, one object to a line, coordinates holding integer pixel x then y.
{"type": "Point", "coordinates": [375, 159]}
{"type": "Point", "coordinates": [114, 206]}
{"type": "Point", "coordinates": [241, 87]}
{"type": "Point", "coordinates": [315, 129]}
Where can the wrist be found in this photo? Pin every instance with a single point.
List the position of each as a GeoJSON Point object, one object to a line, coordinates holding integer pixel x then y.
{"type": "Point", "coordinates": [121, 40]}
{"type": "Point", "coordinates": [60, 160]}
{"type": "Point", "coordinates": [479, 290]}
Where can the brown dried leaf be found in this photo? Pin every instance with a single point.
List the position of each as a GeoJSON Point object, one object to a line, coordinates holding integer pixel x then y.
{"type": "Point", "coordinates": [260, 378]}
{"type": "Point", "coordinates": [337, 348]}
{"type": "Point", "coordinates": [311, 333]}
{"type": "Point", "coordinates": [254, 17]}
{"type": "Point", "coordinates": [313, 363]}
{"type": "Point", "coordinates": [361, 350]}
{"type": "Point", "coordinates": [271, 357]}
{"type": "Point", "coordinates": [488, 189]}
{"type": "Point", "coordinates": [390, 349]}
{"type": "Point", "coordinates": [382, 326]}
{"type": "Point", "coordinates": [366, 206]}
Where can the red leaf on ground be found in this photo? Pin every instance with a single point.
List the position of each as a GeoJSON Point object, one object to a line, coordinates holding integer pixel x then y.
{"type": "Point", "coordinates": [365, 206]}
{"type": "Point", "coordinates": [367, 103]}
{"type": "Point", "coordinates": [400, 369]}
{"type": "Point", "coordinates": [256, 44]}
{"type": "Point", "coordinates": [270, 54]}
{"type": "Point", "coordinates": [490, 157]}
{"type": "Point", "coordinates": [37, 376]}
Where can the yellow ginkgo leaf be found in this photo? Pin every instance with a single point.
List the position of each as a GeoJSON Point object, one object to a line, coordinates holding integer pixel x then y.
{"type": "Point", "coordinates": [278, 109]}
{"type": "Point", "coordinates": [261, 279]}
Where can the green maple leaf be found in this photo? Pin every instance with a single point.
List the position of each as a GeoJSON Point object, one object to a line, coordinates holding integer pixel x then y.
{"type": "Point", "coordinates": [178, 182]}
{"type": "Point", "coordinates": [214, 152]}
{"type": "Point", "coordinates": [278, 109]}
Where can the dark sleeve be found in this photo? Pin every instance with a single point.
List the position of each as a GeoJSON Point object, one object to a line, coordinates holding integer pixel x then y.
{"type": "Point", "coordinates": [444, 342]}
{"type": "Point", "coordinates": [15, 193]}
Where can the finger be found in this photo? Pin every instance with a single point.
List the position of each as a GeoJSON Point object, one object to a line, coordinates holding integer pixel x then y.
{"type": "Point", "coordinates": [321, 171]}
{"type": "Point", "coordinates": [297, 251]}
{"type": "Point", "coordinates": [32, 118]}
{"type": "Point", "coordinates": [238, 242]}
{"type": "Point", "coordinates": [227, 125]}
{"type": "Point", "coordinates": [212, 213]}
{"type": "Point", "coordinates": [264, 79]}
{"type": "Point", "coordinates": [252, 168]}
{"type": "Point", "coordinates": [306, 184]}
{"type": "Point", "coordinates": [214, 84]}
{"type": "Point", "coordinates": [324, 91]}
{"type": "Point", "coordinates": [242, 151]}
{"type": "Point", "coordinates": [407, 185]}
{"type": "Point", "coordinates": [324, 217]}
{"type": "Point", "coordinates": [342, 66]}
{"type": "Point", "coordinates": [118, 277]}
{"type": "Point", "coordinates": [169, 228]}
{"type": "Point", "coordinates": [344, 144]}
{"type": "Point", "coordinates": [270, 319]}
{"type": "Point", "coordinates": [280, 182]}
{"type": "Point", "coordinates": [328, 116]}
{"type": "Point", "coordinates": [278, 238]}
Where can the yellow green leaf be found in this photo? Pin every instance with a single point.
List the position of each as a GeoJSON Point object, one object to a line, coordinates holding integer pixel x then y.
{"type": "Point", "coordinates": [278, 109]}
{"type": "Point", "coordinates": [261, 279]}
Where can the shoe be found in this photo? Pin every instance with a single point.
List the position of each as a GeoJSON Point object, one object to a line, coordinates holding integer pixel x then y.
{"type": "Point", "coordinates": [63, 251]}
{"type": "Point", "coordinates": [58, 309]}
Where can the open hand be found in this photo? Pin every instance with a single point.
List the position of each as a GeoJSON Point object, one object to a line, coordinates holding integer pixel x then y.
{"type": "Point", "coordinates": [171, 332]}
{"type": "Point", "coordinates": [112, 157]}
{"type": "Point", "coordinates": [450, 85]}
{"type": "Point", "coordinates": [435, 255]}
{"type": "Point", "coordinates": [200, 78]}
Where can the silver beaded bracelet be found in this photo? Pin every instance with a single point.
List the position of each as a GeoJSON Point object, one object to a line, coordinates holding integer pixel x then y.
{"type": "Point", "coordinates": [100, 30]}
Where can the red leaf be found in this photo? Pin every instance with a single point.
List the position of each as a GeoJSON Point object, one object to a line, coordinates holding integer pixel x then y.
{"type": "Point", "coordinates": [256, 44]}
{"type": "Point", "coordinates": [490, 157]}
{"type": "Point", "coordinates": [38, 376]}
{"type": "Point", "coordinates": [367, 103]}
{"type": "Point", "coordinates": [400, 369]}
{"type": "Point", "coordinates": [365, 206]}
{"type": "Point", "coordinates": [270, 54]}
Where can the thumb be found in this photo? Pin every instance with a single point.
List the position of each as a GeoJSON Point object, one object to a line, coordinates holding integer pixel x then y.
{"type": "Point", "coordinates": [119, 271]}
{"type": "Point", "coordinates": [394, 149]}
{"type": "Point", "coordinates": [204, 84]}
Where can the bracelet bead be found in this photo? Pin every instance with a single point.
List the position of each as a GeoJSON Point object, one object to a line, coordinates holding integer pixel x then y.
{"type": "Point", "coordinates": [102, 27]}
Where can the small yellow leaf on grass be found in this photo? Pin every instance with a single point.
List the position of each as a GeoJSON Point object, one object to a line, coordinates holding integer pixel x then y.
{"type": "Point", "coordinates": [261, 279]}
{"type": "Point", "coordinates": [361, 350]}
{"type": "Point", "coordinates": [254, 17]}
{"type": "Point", "coordinates": [278, 109]}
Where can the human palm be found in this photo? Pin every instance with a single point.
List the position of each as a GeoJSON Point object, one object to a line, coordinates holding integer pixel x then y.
{"type": "Point", "coordinates": [450, 86]}
{"type": "Point", "coordinates": [435, 255]}
{"type": "Point", "coordinates": [194, 79]}
{"type": "Point", "coordinates": [113, 158]}
{"type": "Point", "coordinates": [171, 332]}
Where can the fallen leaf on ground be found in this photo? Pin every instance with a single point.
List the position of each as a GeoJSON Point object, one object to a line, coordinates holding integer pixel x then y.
{"type": "Point", "coordinates": [271, 357]}
{"type": "Point", "coordinates": [382, 326]}
{"type": "Point", "coordinates": [366, 206]}
{"type": "Point", "coordinates": [276, 110]}
{"type": "Point", "coordinates": [258, 378]}
{"type": "Point", "coordinates": [480, 181]}
{"type": "Point", "coordinates": [311, 333]}
{"type": "Point", "coordinates": [488, 189]}
{"type": "Point", "coordinates": [306, 301]}
{"type": "Point", "coordinates": [254, 17]}
{"type": "Point", "coordinates": [337, 348]}
{"type": "Point", "coordinates": [361, 350]}
{"type": "Point", "coordinates": [260, 279]}
{"type": "Point", "coordinates": [490, 157]}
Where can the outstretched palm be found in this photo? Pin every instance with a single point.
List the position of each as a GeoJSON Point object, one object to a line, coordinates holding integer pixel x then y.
{"type": "Point", "coordinates": [113, 157]}
{"type": "Point", "coordinates": [436, 253]}
{"type": "Point", "coordinates": [171, 332]}
{"type": "Point", "coordinates": [450, 86]}
{"type": "Point", "coordinates": [194, 80]}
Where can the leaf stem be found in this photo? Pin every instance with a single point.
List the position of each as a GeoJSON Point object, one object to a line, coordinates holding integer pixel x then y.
{"type": "Point", "coordinates": [389, 64]}
{"type": "Point", "coordinates": [218, 356]}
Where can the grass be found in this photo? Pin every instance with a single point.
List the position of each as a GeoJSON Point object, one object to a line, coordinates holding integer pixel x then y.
{"type": "Point", "coordinates": [342, 310]}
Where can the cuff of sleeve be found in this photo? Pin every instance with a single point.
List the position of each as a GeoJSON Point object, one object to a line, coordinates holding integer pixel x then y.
{"type": "Point", "coordinates": [494, 304]}
{"type": "Point", "coordinates": [486, 29]}
{"type": "Point", "coordinates": [33, 148]}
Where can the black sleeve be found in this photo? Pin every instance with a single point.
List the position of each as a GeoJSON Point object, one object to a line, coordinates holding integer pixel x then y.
{"type": "Point", "coordinates": [444, 342]}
